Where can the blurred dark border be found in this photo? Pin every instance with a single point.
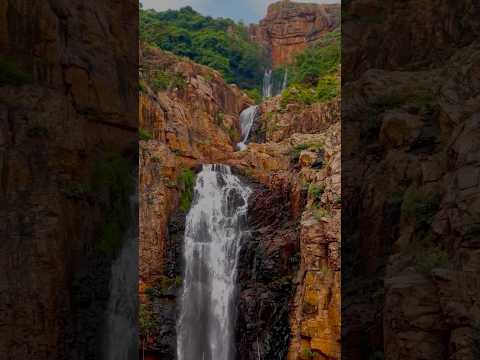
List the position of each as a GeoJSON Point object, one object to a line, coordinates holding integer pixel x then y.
{"type": "Point", "coordinates": [68, 165]}
{"type": "Point", "coordinates": [410, 179]}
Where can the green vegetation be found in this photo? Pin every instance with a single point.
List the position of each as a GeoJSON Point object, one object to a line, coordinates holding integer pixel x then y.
{"type": "Point", "coordinates": [316, 192]}
{"type": "Point", "coordinates": [422, 207]}
{"type": "Point", "coordinates": [255, 94]}
{"type": "Point", "coordinates": [320, 212]}
{"type": "Point", "coordinates": [163, 80]}
{"type": "Point", "coordinates": [297, 149]}
{"type": "Point", "coordinates": [114, 184]}
{"type": "Point", "coordinates": [186, 184]}
{"type": "Point", "coordinates": [145, 135]}
{"type": "Point", "coordinates": [219, 43]}
{"type": "Point", "coordinates": [430, 258]}
{"type": "Point", "coordinates": [315, 74]}
{"type": "Point", "coordinates": [10, 74]}
{"type": "Point", "coordinates": [308, 353]}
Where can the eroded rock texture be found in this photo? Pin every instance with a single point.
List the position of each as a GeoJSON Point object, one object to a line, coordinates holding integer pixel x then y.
{"type": "Point", "coordinates": [410, 180]}
{"type": "Point", "coordinates": [68, 104]}
{"type": "Point", "coordinates": [289, 27]}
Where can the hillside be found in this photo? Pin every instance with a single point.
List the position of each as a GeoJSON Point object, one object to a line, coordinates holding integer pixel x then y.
{"type": "Point", "coordinates": [221, 44]}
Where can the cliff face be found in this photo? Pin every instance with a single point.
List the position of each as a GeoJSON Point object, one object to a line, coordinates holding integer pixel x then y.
{"type": "Point", "coordinates": [68, 92]}
{"type": "Point", "coordinates": [290, 27]}
{"type": "Point", "coordinates": [410, 163]}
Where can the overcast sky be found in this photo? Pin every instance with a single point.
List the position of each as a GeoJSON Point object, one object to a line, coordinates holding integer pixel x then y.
{"type": "Point", "coordinates": [246, 10]}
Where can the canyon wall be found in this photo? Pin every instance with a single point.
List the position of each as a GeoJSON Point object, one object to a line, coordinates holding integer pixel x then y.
{"type": "Point", "coordinates": [68, 107]}
{"type": "Point", "coordinates": [289, 27]}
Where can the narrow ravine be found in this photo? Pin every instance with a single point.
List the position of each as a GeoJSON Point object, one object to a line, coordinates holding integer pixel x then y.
{"type": "Point", "coordinates": [215, 225]}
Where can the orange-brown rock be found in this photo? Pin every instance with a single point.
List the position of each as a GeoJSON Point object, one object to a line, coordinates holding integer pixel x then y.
{"type": "Point", "coordinates": [290, 27]}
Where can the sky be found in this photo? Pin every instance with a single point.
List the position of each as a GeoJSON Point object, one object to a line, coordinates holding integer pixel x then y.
{"type": "Point", "coordinates": [250, 11]}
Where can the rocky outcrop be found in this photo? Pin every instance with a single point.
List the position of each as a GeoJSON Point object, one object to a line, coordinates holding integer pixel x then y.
{"type": "Point", "coordinates": [290, 27]}
{"type": "Point", "coordinates": [410, 184]}
{"type": "Point", "coordinates": [68, 100]}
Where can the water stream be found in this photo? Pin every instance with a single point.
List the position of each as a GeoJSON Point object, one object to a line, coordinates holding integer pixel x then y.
{"type": "Point", "coordinates": [214, 228]}
{"type": "Point", "coordinates": [267, 84]}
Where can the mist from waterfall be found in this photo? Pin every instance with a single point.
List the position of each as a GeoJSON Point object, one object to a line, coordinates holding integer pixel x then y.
{"type": "Point", "coordinates": [215, 225]}
{"type": "Point", "coordinates": [247, 118]}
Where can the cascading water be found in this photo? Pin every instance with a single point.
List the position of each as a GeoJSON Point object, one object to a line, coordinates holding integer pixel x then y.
{"type": "Point", "coordinates": [121, 338]}
{"type": "Point", "coordinates": [247, 118]}
{"type": "Point", "coordinates": [285, 79]}
{"type": "Point", "coordinates": [214, 228]}
{"type": "Point", "coordinates": [267, 84]}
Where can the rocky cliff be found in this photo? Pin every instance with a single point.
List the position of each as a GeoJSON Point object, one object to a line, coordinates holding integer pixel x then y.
{"type": "Point", "coordinates": [289, 27]}
{"type": "Point", "coordinates": [68, 100]}
{"type": "Point", "coordinates": [192, 117]}
{"type": "Point", "coordinates": [410, 183]}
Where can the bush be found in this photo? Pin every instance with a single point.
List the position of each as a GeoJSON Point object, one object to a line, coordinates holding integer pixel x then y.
{"type": "Point", "coordinates": [255, 94]}
{"type": "Point", "coordinates": [316, 192]}
{"type": "Point", "coordinates": [10, 74]}
{"type": "Point", "coordinates": [186, 184]}
{"type": "Point", "coordinates": [145, 135]}
{"type": "Point", "coordinates": [162, 81]}
{"type": "Point", "coordinates": [431, 258]}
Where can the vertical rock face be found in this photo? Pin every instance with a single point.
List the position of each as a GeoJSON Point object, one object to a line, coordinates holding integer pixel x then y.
{"type": "Point", "coordinates": [70, 93]}
{"type": "Point", "coordinates": [290, 27]}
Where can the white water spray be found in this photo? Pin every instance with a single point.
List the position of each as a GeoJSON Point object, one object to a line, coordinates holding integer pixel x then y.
{"type": "Point", "coordinates": [247, 118]}
{"type": "Point", "coordinates": [214, 228]}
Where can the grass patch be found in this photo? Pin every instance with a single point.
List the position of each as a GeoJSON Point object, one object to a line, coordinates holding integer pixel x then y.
{"type": "Point", "coordinates": [186, 185]}
{"type": "Point", "coordinates": [10, 74]}
{"type": "Point", "coordinates": [320, 213]}
{"type": "Point", "coordinates": [145, 135]}
{"type": "Point", "coordinates": [316, 192]}
{"type": "Point", "coordinates": [297, 149]}
{"type": "Point", "coordinates": [164, 80]}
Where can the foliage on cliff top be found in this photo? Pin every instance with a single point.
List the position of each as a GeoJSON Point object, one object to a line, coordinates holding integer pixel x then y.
{"type": "Point", "coordinates": [219, 43]}
{"type": "Point", "coordinates": [315, 74]}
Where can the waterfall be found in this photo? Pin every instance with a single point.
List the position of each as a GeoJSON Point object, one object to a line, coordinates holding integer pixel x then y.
{"type": "Point", "coordinates": [247, 117]}
{"type": "Point", "coordinates": [121, 336]}
{"type": "Point", "coordinates": [267, 84]}
{"type": "Point", "coordinates": [285, 79]}
{"type": "Point", "coordinates": [214, 228]}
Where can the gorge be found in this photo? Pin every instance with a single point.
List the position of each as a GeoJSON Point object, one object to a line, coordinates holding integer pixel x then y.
{"type": "Point", "coordinates": [270, 287]}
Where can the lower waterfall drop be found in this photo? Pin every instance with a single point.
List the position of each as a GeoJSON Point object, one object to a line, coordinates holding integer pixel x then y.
{"type": "Point", "coordinates": [215, 225]}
